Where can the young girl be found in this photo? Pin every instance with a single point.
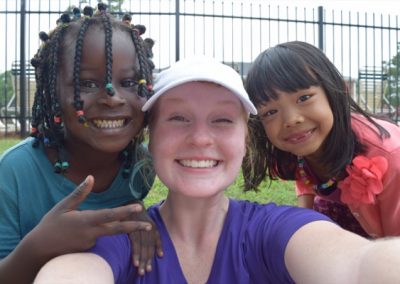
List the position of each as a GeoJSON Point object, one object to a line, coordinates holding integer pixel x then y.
{"type": "Point", "coordinates": [92, 79]}
{"type": "Point", "coordinates": [345, 162]}
{"type": "Point", "coordinates": [198, 132]}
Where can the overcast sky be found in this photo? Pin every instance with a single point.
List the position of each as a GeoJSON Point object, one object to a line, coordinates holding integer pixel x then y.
{"type": "Point", "coordinates": [377, 6]}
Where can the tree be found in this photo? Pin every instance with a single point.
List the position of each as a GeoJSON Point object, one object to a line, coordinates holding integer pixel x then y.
{"type": "Point", "coordinates": [6, 88]}
{"type": "Point", "coordinates": [393, 77]}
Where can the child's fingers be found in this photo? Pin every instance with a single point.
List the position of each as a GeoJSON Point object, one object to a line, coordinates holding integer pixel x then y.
{"type": "Point", "coordinates": [136, 242]}
{"type": "Point", "coordinates": [108, 215]}
{"type": "Point", "coordinates": [146, 251]}
{"type": "Point", "coordinates": [122, 227]}
{"type": "Point", "coordinates": [72, 201]}
{"type": "Point", "coordinates": [159, 248]}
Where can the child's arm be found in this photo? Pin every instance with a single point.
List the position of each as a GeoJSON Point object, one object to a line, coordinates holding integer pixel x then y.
{"type": "Point", "coordinates": [306, 201]}
{"type": "Point", "coordinates": [64, 230]}
{"type": "Point", "coordinates": [144, 243]}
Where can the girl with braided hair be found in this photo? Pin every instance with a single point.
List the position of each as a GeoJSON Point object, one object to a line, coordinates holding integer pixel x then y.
{"type": "Point", "coordinates": [92, 77]}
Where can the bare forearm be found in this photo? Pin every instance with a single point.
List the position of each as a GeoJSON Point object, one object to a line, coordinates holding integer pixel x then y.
{"type": "Point", "coordinates": [380, 262]}
{"type": "Point", "coordinates": [76, 268]}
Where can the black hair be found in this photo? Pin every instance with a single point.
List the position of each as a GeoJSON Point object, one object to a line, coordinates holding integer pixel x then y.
{"type": "Point", "coordinates": [47, 125]}
{"type": "Point", "coordinates": [290, 67]}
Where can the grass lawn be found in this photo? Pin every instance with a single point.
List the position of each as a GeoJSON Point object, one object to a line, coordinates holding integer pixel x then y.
{"type": "Point", "coordinates": [280, 192]}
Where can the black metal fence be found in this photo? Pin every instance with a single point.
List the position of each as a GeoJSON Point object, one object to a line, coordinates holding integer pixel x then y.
{"type": "Point", "coordinates": [364, 46]}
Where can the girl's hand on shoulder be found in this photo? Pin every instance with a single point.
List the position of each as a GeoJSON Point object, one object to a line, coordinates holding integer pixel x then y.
{"type": "Point", "coordinates": [65, 229]}
{"type": "Point", "coordinates": [144, 244]}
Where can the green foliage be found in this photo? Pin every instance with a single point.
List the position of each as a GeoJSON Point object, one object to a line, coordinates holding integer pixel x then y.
{"type": "Point", "coordinates": [114, 5]}
{"type": "Point", "coordinates": [393, 72]}
{"type": "Point", "coordinates": [6, 88]}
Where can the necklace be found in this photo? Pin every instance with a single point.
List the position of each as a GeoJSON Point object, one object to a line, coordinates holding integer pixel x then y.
{"type": "Point", "coordinates": [323, 188]}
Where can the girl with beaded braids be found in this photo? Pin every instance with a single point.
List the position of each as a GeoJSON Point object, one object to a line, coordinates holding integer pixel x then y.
{"type": "Point", "coordinates": [345, 162]}
{"type": "Point", "coordinates": [92, 78]}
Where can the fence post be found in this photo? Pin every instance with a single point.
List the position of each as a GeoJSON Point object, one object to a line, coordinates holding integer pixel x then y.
{"type": "Point", "coordinates": [321, 28]}
{"type": "Point", "coordinates": [177, 33]}
{"type": "Point", "coordinates": [22, 81]}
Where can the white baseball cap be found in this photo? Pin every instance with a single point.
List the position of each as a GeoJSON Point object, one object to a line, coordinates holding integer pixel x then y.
{"type": "Point", "coordinates": [200, 68]}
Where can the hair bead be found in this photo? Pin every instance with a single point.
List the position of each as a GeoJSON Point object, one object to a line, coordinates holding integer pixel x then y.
{"type": "Point", "coordinates": [88, 11]}
{"type": "Point", "coordinates": [43, 36]}
{"type": "Point", "coordinates": [57, 119]}
{"type": "Point", "coordinates": [110, 89]}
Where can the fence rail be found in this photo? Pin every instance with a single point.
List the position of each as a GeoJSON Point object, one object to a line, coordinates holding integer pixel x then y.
{"type": "Point", "coordinates": [363, 46]}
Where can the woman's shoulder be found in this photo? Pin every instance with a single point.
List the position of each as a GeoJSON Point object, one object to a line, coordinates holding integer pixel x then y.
{"type": "Point", "coordinates": [274, 214]}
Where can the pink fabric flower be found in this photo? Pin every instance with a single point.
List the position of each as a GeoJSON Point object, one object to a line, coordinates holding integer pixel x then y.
{"type": "Point", "coordinates": [364, 180]}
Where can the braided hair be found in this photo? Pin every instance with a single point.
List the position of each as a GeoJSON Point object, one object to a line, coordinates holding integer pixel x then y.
{"type": "Point", "coordinates": [47, 124]}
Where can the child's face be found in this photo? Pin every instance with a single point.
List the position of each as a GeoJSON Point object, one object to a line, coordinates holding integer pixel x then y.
{"type": "Point", "coordinates": [197, 138]}
{"type": "Point", "coordinates": [298, 122]}
{"type": "Point", "coordinates": [112, 121]}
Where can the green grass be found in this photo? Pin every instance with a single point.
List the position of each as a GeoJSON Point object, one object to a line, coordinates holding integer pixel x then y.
{"type": "Point", "coordinates": [280, 192]}
{"type": "Point", "coordinates": [6, 143]}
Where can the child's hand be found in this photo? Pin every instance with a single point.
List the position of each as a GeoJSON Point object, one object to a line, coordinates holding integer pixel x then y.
{"type": "Point", "coordinates": [64, 229]}
{"type": "Point", "coordinates": [144, 243]}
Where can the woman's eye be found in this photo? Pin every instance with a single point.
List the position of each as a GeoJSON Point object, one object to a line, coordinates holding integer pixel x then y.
{"type": "Point", "coordinates": [304, 98]}
{"type": "Point", "coordinates": [129, 83]}
{"type": "Point", "coordinates": [177, 118]}
{"type": "Point", "coordinates": [88, 84]}
{"type": "Point", "coordinates": [223, 120]}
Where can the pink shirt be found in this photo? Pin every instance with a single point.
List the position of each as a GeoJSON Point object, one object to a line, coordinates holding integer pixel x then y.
{"type": "Point", "coordinates": [382, 218]}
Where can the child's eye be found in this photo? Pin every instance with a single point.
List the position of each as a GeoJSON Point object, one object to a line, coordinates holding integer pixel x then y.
{"type": "Point", "coordinates": [304, 98]}
{"type": "Point", "coordinates": [268, 113]}
{"type": "Point", "coordinates": [129, 83]}
{"type": "Point", "coordinates": [88, 84]}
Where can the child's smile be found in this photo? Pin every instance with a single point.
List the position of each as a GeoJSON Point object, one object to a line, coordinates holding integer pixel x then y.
{"type": "Point", "coordinates": [299, 137]}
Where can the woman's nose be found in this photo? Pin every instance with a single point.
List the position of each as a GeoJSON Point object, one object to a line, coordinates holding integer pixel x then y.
{"type": "Point", "coordinates": [200, 134]}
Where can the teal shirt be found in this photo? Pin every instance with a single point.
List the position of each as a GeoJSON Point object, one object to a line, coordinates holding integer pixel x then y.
{"type": "Point", "coordinates": [29, 188]}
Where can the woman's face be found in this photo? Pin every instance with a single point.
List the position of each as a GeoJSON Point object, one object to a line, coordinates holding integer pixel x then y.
{"type": "Point", "coordinates": [298, 122]}
{"type": "Point", "coordinates": [112, 121]}
{"type": "Point", "coordinates": [197, 138]}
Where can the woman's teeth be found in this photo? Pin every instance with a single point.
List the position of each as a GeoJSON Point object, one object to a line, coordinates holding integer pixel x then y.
{"type": "Point", "coordinates": [198, 164]}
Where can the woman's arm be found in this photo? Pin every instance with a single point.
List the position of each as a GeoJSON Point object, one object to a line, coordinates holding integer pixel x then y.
{"type": "Point", "coordinates": [322, 252]}
{"type": "Point", "coordinates": [76, 268]}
